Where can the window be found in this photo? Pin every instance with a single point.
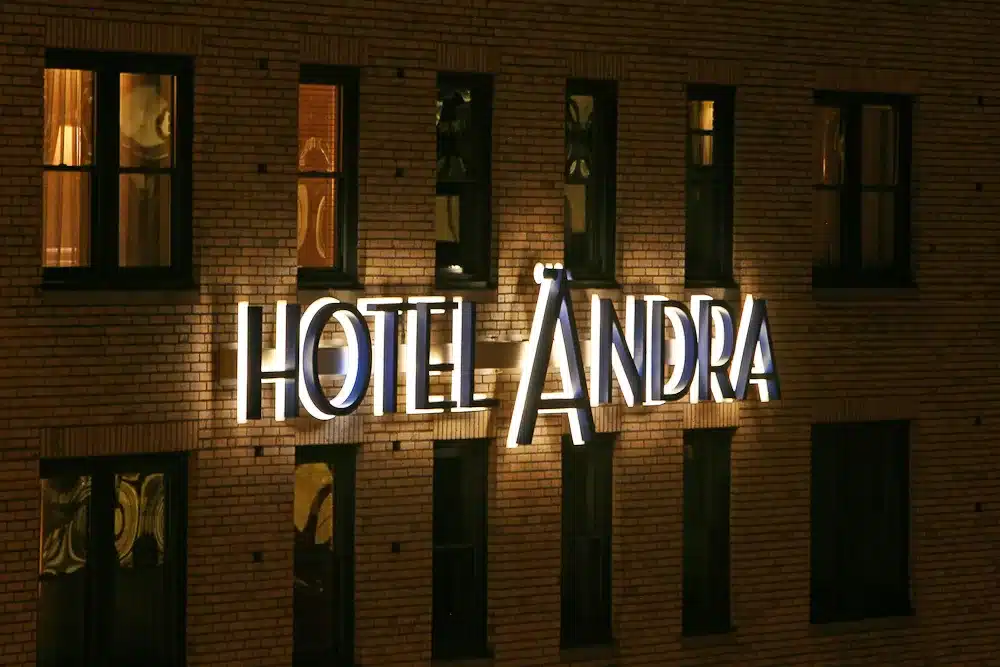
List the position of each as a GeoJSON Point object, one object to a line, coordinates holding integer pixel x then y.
{"type": "Point", "coordinates": [116, 183]}
{"type": "Point", "coordinates": [862, 191]}
{"type": "Point", "coordinates": [706, 531]}
{"type": "Point", "coordinates": [462, 209]}
{"type": "Point", "coordinates": [708, 257]}
{"type": "Point", "coordinates": [589, 200]}
{"type": "Point", "coordinates": [860, 521]}
{"type": "Point", "coordinates": [323, 600]}
{"type": "Point", "coordinates": [111, 562]}
{"type": "Point", "coordinates": [586, 551]}
{"type": "Point", "coordinates": [328, 130]}
{"type": "Point", "coordinates": [459, 623]}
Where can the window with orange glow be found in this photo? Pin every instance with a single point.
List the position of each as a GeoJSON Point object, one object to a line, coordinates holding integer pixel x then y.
{"type": "Point", "coordinates": [326, 191]}
{"type": "Point", "coordinates": [116, 160]}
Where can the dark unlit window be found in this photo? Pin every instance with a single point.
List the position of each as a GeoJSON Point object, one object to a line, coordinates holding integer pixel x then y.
{"type": "Point", "coordinates": [860, 521]}
{"type": "Point", "coordinates": [459, 620]}
{"type": "Point", "coordinates": [589, 199]}
{"type": "Point", "coordinates": [116, 155]}
{"type": "Point", "coordinates": [111, 565]}
{"type": "Point", "coordinates": [709, 186]}
{"type": "Point", "coordinates": [327, 175]}
{"type": "Point", "coordinates": [324, 556]}
{"type": "Point", "coordinates": [462, 206]}
{"type": "Point", "coordinates": [586, 555]}
{"type": "Point", "coordinates": [706, 531]}
{"type": "Point", "coordinates": [862, 190]}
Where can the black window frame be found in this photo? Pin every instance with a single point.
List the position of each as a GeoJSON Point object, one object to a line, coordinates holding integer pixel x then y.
{"type": "Point", "coordinates": [101, 559]}
{"type": "Point", "coordinates": [104, 270]}
{"type": "Point", "coordinates": [475, 244]}
{"type": "Point", "coordinates": [707, 600]}
{"type": "Point", "coordinates": [847, 582]}
{"type": "Point", "coordinates": [343, 459]}
{"type": "Point", "coordinates": [344, 272]}
{"type": "Point", "coordinates": [597, 267]}
{"type": "Point", "coordinates": [579, 626]}
{"type": "Point", "coordinates": [718, 179]}
{"type": "Point", "coordinates": [850, 272]}
{"type": "Point", "coordinates": [466, 639]}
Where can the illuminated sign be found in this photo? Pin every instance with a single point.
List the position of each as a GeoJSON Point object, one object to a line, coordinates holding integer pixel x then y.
{"type": "Point", "coordinates": [708, 356]}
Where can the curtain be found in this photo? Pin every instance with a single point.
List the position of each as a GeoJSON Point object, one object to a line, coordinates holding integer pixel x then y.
{"type": "Point", "coordinates": [67, 143]}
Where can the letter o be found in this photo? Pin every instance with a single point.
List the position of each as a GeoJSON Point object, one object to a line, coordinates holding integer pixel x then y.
{"type": "Point", "coordinates": [359, 359]}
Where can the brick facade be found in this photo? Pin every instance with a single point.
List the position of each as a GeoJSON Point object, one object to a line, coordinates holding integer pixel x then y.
{"type": "Point", "coordinates": [110, 372]}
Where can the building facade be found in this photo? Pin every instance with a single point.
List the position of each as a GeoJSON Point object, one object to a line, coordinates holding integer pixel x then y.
{"type": "Point", "coordinates": [836, 160]}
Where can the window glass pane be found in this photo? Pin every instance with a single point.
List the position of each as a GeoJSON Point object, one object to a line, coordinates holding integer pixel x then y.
{"type": "Point", "coordinates": [319, 128]}
{"type": "Point", "coordinates": [66, 218]}
{"type": "Point", "coordinates": [316, 567]}
{"type": "Point", "coordinates": [701, 115]}
{"type": "Point", "coordinates": [140, 617]}
{"type": "Point", "coordinates": [449, 527]}
{"type": "Point", "coordinates": [455, 140]}
{"type": "Point", "coordinates": [447, 219]}
{"type": "Point", "coordinates": [877, 222]}
{"type": "Point", "coordinates": [703, 229]}
{"type": "Point", "coordinates": [317, 228]}
{"type": "Point", "coordinates": [701, 147]}
{"type": "Point", "coordinates": [579, 138]}
{"type": "Point", "coordinates": [830, 146]}
{"type": "Point", "coordinates": [144, 220]}
{"type": "Point", "coordinates": [826, 234]}
{"type": "Point", "coordinates": [576, 208]}
{"type": "Point", "coordinates": [878, 145]}
{"type": "Point", "coordinates": [146, 120]}
{"type": "Point", "coordinates": [69, 118]}
{"type": "Point", "coordinates": [63, 571]}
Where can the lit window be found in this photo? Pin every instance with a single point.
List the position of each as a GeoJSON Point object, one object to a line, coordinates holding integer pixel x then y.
{"type": "Point", "coordinates": [116, 206]}
{"type": "Point", "coordinates": [327, 191]}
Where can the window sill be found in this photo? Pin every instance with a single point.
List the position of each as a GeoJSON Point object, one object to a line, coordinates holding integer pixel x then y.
{"type": "Point", "coordinates": [709, 639]}
{"type": "Point", "coordinates": [124, 281]}
{"type": "Point", "coordinates": [865, 293]}
{"type": "Point", "coordinates": [710, 283]}
{"type": "Point", "coordinates": [595, 284]}
{"type": "Point", "coordinates": [323, 280]}
{"type": "Point", "coordinates": [462, 284]}
{"type": "Point", "coordinates": [589, 653]}
{"type": "Point", "coordinates": [486, 661]}
{"type": "Point", "coordinates": [832, 628]}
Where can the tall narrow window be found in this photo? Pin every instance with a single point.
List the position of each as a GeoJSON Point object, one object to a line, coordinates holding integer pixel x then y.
{"type": "Point", "coordinates": [709, 186]}
{"type": "Point", "coordinates": [116, 200]}
{"type": "Point", "coordinates": [324, 556]}
{"type": "Point", "coordinates": [862, 192]}
{"type": "Point", "coordinates": [463, 206]}
{"type": "Point", "coordinates": [111, 561]}
{"type": "Point", "coordinates": [589, 200]}
{"type": "Point", "coordinates": [459, 623]}
{"type": "Point", "coordinates": [706, 531]}
{"type": "Point", "coordinates": [860, 521]}
{"type": "Point", "coordinates": [328, 176]}
{"type": "Point", "coordinates": [586, 553]}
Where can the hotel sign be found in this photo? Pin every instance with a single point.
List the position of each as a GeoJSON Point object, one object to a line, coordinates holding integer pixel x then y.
{"type": "Point", "coordinates": [709, 356]}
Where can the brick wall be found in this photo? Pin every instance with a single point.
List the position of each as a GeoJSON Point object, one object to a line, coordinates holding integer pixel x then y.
{"type": "Point", "coordinates": [90, 373]}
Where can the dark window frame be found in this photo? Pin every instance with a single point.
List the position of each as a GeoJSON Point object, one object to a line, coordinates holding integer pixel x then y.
{"type": "Point", "coordinates": [718, 179]}
{"type": "Point", "coordinates": [101, 557]}
{"type": "Point", "coordinates": [846, 581]}
{"type": "Point", "coordinates": [850, 272]}
{"type": "Point", "coordinates": [344, 272]}
{"type": "Point", "coordinates": [104, 270]}
{"type": "Point", "coordinates": [597, 268]}
{"type": "Point", "coordinates": [475, 244]}
{"type": "Point", "coordinates": [469, 640]}
{"type": "Point", "coordinates": [707, 610]}
{"type": "Point", "coordinates": [584, 629]}
{"type": "Point", "coordinates": [343, 458]}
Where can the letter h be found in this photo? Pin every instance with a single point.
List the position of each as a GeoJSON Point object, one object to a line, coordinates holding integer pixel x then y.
{"type": "Point", "coordinates": [284, 371]}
